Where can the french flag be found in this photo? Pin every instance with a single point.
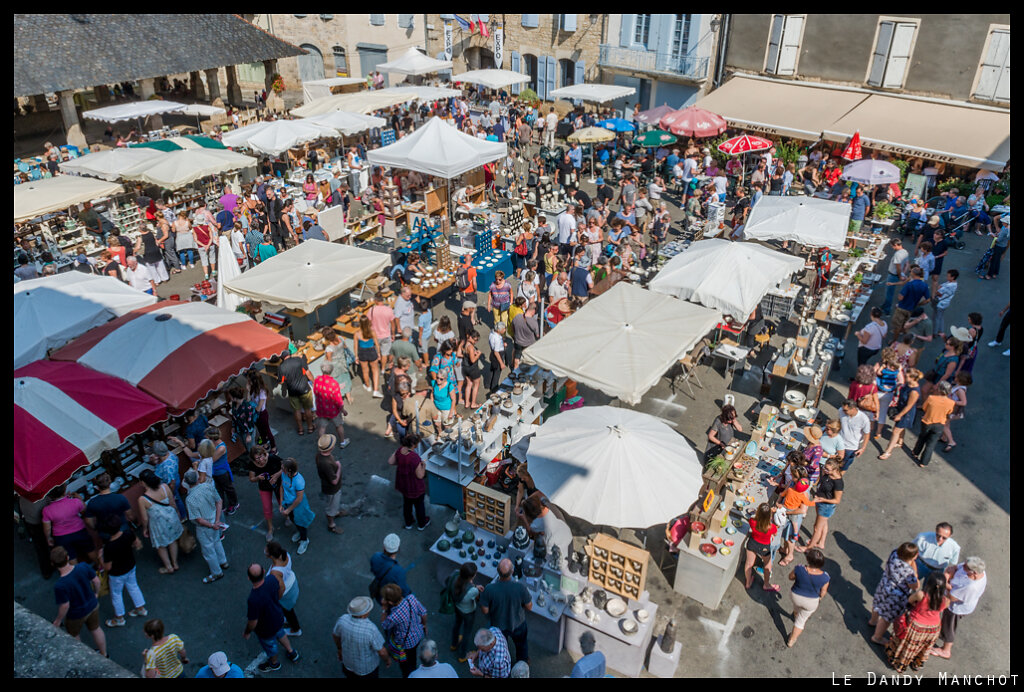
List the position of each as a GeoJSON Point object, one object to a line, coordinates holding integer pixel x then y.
{"type": "Point", "coordinates": [463, 24]}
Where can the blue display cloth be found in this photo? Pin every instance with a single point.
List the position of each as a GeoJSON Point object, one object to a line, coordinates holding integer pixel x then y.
{"type": "Point", "coordinates": [487, 264]}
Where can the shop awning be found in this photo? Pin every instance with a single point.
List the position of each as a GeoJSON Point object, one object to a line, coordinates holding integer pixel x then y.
{"type": "Point", "coordinates": [65, 416]}
{"type": "Point", "coordinates": [52, 194]}
{"type": "Point", "coordinates": [177, 352]}
{"type": "Point", "coordinates": [133, 110]}
{"type": "Point", "coordinates": [623, 341]}
{"type": "Point", "coordinates": [955, 134]}
{"type": "Point", "coordinates": [778, 108]}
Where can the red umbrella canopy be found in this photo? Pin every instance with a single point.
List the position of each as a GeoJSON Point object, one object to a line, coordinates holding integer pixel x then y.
{"type": "Point", "coordinates": [744, 144]}
{"type": "Point", "coordinates": [693, 122]}
{"type": "Point", "coordinates": [65, 416]}
{"type": "Point", "coordinates": [852, 152]}
{"type": "Point", "coordinates": [654, 115]}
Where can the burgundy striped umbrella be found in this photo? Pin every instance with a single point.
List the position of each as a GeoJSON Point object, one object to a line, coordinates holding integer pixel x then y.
{"type": "Point", "coordinates": [654, 115]}
{"type": "Point", "coordinates": [693, 122]}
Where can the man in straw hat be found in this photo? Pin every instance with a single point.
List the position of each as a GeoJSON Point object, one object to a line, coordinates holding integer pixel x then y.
{"type": "Point", "coordinates": [359, 641]}
{"type": "Point", "coordinates": [329, 470]}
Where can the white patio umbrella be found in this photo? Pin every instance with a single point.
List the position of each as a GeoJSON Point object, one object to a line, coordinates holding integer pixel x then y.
{"type": "Point", "coordinates": [494, 79]}
{"type": "Point", "coordinates": [806, 220]}
{"type": "Point", "coordinates": [201, 110]}
{"type": "Point", "coordinates": [598, 93]}
{"type": "Point", "coordinates": [110, 164]}
{"type": "Point", "coordinates": [277, 136]}
{"type": "Point", "coordinates": [51, 310]}
{"type": "Point", "coordinates": [413, 62]}
{"type": "Point", "coordinates": [871, 172]}
{"type": "Point", "coordinates": [731, 277]}
{"type": "Point", "coordinates": [589, 135]}
{"type": "Point", "coordinates": [614, 466]}
{"type": "Point", "coordinates": [227, 269]}
{"type": "Point", "coordinates": [347, 123]}
{"type": "Point", "coordinates": [176, 169]}
{"type": "Point", "coordinates": [51, 194]}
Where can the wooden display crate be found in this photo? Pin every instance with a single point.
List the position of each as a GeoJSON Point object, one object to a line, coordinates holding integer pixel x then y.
{"type": "Point", "coordinates": [488, 509]}
{"type": "Point", "coordinates": [618, 567]}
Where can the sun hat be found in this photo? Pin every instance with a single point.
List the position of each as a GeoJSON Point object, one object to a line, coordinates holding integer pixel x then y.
{"type": "Point", "coordinates": [563, 305]}
{"type": "Point", "coordinates": [600, 181]}
{"type": "Point", "coordinates": [391, 543]}
{"type": "Point", "coordinates": [360, 606]}
{"type": "Point", "coordinates": [218, 662]}
{"type": "Point", "coordinates": [960, 333]}
{"type": "Point", "coordinates": [326, 443]}
{"type": "Point", "coordinates": [934, 221]}
{"type": "Point", "coordinates": [801, 485]}
{"type": "Point", "coordinates": [468, 305]}
{"type": "Point", "coordinates": [813, 433]}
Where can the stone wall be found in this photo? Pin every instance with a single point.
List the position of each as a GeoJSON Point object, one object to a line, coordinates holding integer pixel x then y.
{"type": "Point", "coordinates": [43, 651]}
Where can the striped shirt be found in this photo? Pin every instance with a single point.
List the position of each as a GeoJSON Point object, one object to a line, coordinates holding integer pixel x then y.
{"type": "Point", "coordinates": [496, 663]}
{"type": "Point", "coordinates": [164, 657]}
{"type": "Point", "coordinates": [404, 624]}
{"type": "Point", "coordinates": [886, 380]}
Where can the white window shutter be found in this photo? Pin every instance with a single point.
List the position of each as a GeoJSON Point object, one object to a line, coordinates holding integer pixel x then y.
{"type": "Point", "coordinates": [774, 42]}
{"type": "Point", "coordinates": [581, 72]}
{"type": "Point", "coordinates": [881, 54]}
{"type": "Point", "coordinates": [552, 76]}
{"type": "Point", "coordinates": [994, 80]}
{"type": "Point", "coordinates": [790, 48]}
{"type": "Point", "coordinates": [377, 19]}
{"type": "Point", "coordinates": [405, 21]}
{"type": "Point", "coordinates": [530, 20]}
{"type": "Point", "coordinates": [899, 55]}
{"type": "Point", "coordinates": [568, 22]}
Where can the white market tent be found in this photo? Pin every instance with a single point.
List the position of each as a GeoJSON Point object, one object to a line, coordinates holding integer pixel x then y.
{"type": "Point", "coordinates": [201, 109]}
{"type": "Point", "coordinates": [592, 92]}
{"type": "Point", "coordinates": [52, 310]}
{"type": "Point", "coordinates": [347, 123]}
{"type": "Point", "coordinates": [308, 275]}
{"type": "Point", "coordinates": [414, 62]}
{"type": "Point", "coordinates": [277, 136]}
{"type": "Point", "coordinates": [51, 194]}
{"type": "Point", "coordinates": [614, 466]}
{"type": "Point", "coordinates": [319, 88]}
{"type": "Point", "coordinates": [110, 164]}
{"type": "Point", "coordinates": [176, 169]}
{"type": "Point", "coordinates": [806, 220]}
{"type": "Point", "coordinates": [368, 101]}
{"type": "Point", "coordinates": [623, 341]}
{"type": "Point", "coordinates": [731, 277]}
{"type": "Point", "coordinates": [228, 269]}
{"type": "Point", "coordinates": [437, 148]}
{"type": "Point", "coordinates": [133, 110]}
{"type": "Point", "coordinates": [494, 79]}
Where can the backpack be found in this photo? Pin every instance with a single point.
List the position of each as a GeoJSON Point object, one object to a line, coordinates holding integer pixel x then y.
{"type": "Point", "coordinates": [447, 606]}
{"type": "Point", "coordinates": [462, 279]}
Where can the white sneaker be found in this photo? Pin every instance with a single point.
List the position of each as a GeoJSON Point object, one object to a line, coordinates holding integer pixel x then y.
{"type": "Point", "coordinates": [993, 344]}
{"type": "Point", "coordinates": [367, 388]}
{"type": "Point", "coordinates": [377, 395]}
{"type": "Point", "coordinates": [1006, 352]}
{"type": "Point", "coordinates": [303, 546]}
{"type": "Point", "coordinates": [344, 443]}
{"type": "Point", "coordinates": [295, 537]}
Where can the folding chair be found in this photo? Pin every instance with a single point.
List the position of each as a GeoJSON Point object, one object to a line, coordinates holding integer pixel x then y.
{"type": "Point", "coordinates": [689, 365]}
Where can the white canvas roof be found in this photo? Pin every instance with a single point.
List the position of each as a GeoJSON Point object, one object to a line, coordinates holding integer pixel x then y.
{"type": "Point", "coordinates": [495, 79]}
{"type": "Point", "coordinates": [52, 310]}
{"type": "Point", "coordinates": [347, 123]}
{"type": "Point", "coordinates": [319, 88]}
{"type": "Point", "coordinates": [623, 341]}
{"type": "Point", "coordinates": [731, 277]}
{"type": "Point", "coordinates": [614, 466]}
{"type": "Point", "coordinates": [131, 111]}
{"type": "Point", "coordinates": [413, 62]}
{"type": "Point", "coordinates": [592, 92]}
{"type": "Point", "coordinates": [368, 101]}
{"type": "Point", "coordinates": [110, 164]}
{"type": "Point", "coordinates": [277, 136]}
{"type": "Point", "coordinates": [806, 220]}
{"type": "Point", "coordinates": [175, 169]}
{"type": "Point", "coordinates": [438, 149]}
{"type": "Point", "coordinates": [51, 194]}
{"type": "Point", "coordinates": [308, 275]}
{"type": "Point", "coordinates": [201, 109]}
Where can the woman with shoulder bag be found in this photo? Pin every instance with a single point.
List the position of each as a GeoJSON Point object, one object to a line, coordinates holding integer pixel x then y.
{"type": "Point", "coordinates": [870, 337]}
{"type": "Point", "coordinates": [410, 473]}
{"type": "Point", "coordinates": [864, 391]}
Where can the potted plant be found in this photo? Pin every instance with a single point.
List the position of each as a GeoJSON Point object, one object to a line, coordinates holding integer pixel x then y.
{"type": "Point", "coordinates": [858, 277]}
{"type": "Point", "coordinates": [885, 210]}
{"type": "Point", "coordinates": [277, 83]}
{"type": "Point", "coordinates": [856, 252]}
{"type": "Point", "coordinates": [716, 468]}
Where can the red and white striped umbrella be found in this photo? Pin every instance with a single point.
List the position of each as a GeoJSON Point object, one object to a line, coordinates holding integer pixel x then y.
{"type": "Point", "coordinates": [65, 415]}
{"type": "Point", "coordinates": [744, 144]}
{"type": "Point", "coordinates": [693, 122]}
{"type": "Point", "coordinates": [853, 151]}
{"type": "Point", "coordinates": [178, 352]}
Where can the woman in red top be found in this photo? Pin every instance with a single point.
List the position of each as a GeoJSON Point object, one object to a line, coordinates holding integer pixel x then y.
{"type": "Point", "coordinates": [863, 387]}
{"type": "Point", "coordinates": [911, 642]}
{"type": "Point", "coordinates": [409, 480]}
{"type": "Point", "coordinates": [759, 546]}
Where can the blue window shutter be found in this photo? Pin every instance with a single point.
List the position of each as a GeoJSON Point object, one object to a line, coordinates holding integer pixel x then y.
{"type": "Point", "coordinates": [552, 75]}
{"type": "Point", "coordinates": [627, 25]}
{"type": "Point", "coordinates": [530, 20]}
{"type": "Point", "coordinates": [447, 17]}
{"type": "Point", "coordinates": [404, 21]}
{"type": "Point", "coordinates": [568, 22]}
{"type": "Point", "coordinates": [514, 66]}
{"type": "Point", "coordinates": [581, 71]}
{"type": "Point", "coordinates": [542, 73]}
{"type": "Point", "coordinates": [377, 19]}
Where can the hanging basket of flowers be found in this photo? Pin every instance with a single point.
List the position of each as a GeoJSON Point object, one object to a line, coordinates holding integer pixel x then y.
{"type": "Point", "coordinates": [277, 83]}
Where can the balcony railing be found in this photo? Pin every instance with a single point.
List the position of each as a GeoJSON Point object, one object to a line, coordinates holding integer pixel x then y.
{"type": "Point", "coordinates": [691, 67]}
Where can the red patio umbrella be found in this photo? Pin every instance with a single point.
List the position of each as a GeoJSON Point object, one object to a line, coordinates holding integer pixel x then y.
{"type": "Point", "coordinates": [744, 144]}
{"type": "Point", "coordinates": [65, 416]}
{"type": "Point", "coordinates": [654, 115]}
{"type": "Point", "coordinates": [176, 351]}
{"type": "Point", "coordinates": [852, 151]}
{"type": "Point", "coordinates": [693, 122]}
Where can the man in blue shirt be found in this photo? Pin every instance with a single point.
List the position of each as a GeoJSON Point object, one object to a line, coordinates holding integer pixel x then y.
{"type": "Point", "coordinates": [758, 194]}
{"type": "Point", "coordinates": [384, 565]}
{"type": "Point", "coordinates": [628, 215]}
{"type": "Point", "coordinates": [575, 155]}
{"type": "Point", "coordinates": [225, 220]}
{"type": "Point", "coordinates": [313, 231]}
{"type": "Point", "coordinates": [217, 666]}
{"type": "Point", "coordinates": [914, 293]}
{"type": "Point", "coordinates": [592, 664]}
{"type": "Point", "coordinates": [580, 281]}
{"type": "Point", "coordinates": [858, 208]}
{"type": "Point", "coordinates": [672, 159]}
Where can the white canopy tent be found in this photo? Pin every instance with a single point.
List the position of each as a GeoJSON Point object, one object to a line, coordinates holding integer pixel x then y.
{"type": "Point", "coordinates": [201, 109]}
{"type": "Point", "coordinates": [623, 341]}
{"type": "Point", "coordinates": [347, 123]}
{"type": "Point", "coordinates": [437, 148]}
{"type": "Point", "coordinates": [51, 194]}
{"type": "Point", "coordinates": [308, 275]}
{"type": "Point", "coordinates": [52, 310]}
{"type": "Point", "coordinates": [133, 110]}
{"type": "Point", "coordinates": [177, 169]}
{"type": "Point", "coordinates": [319, 88]}
{"type": "Point", "coordinates": [414, 62]}
{"type": "Point", "coordinates": [228, 269]}
{"type": "Point", "coordinates": [598, 93]}
{"type": "Point", "coordinates": [806, 220]}
{"type": "Point", "coordinates": [614, 466]}
{"type": "Point", "coordinates": [277, 136]}
{"type": "Point", "coordinates": [368, 101]}
{"type": "Point", "coordinates": [110, 164]}
{"type": "Point", "coordinates": [494, 79]}
{"type": "Point", "coordinates": [731, 277]}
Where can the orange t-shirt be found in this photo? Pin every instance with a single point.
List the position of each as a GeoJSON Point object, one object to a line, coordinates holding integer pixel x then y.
{"type": "Point", "coordinates": [793, 498]}
{"type": "Point", "coordinates": [937, 409]}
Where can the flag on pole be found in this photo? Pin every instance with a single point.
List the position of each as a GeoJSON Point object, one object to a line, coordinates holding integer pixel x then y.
{"type": "Point", "coordinates": [483, 29]}
{"type": "Point", "coordinates": [463, 24]}
{"type": "Point", "coordinates": [853, 152]}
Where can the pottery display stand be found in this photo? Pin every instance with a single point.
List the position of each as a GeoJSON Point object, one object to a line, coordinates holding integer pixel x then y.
{"type": "Point", "coordinates": [661, 664]}
{"type": "Point", "coordinates": [624, 653]}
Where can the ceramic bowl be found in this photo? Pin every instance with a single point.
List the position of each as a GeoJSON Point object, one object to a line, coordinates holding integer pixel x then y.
{"type": "Point", "coordinates": [615, 607]}
{"type": "Point", "coordinates": [629, 626]}
{"type": "Point", "coordinates": [716, 540]}
{"type": "Point", "coordinates": [642, 615]}
{"type": "Point", "coordinates": [726, 551]}
{"type": "Point", "coordinates": [803, 414]}
{"type": "Point", "coordinates": [730, 543]}
{"type": "Point", "coordinates": [443, 545]}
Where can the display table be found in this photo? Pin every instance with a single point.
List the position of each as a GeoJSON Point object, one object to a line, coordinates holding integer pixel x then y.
{"type": "Point", "coordinates": [623, 652]}
{"type": "Point", "coordinates": [487, 265]}
{"type": "Point", "coordinates": [732, 355]}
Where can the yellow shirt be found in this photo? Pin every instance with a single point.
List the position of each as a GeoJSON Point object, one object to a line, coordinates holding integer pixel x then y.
{"type": "Point", "coordinates": [512, 312]}
{"type": "Point", "coordinates": [164, 657]}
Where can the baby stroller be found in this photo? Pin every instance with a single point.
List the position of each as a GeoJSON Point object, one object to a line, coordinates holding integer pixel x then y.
{"type": "Point", "coordinates": [982, 268]}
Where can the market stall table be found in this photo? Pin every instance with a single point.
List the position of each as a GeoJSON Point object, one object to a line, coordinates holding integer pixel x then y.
{"type": "Point", "coordinates": [623, 652]}
{"type": "Point", "coordinates": [733, 355]}
{"type": "Point", "coordinates": [487, 265]}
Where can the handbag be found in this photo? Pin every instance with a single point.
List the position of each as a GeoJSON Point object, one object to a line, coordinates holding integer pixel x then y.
{"type": "Point", "coordinates": [104, 583]}
{"type": "Point", "coordinates": [186, 542]}
{"type": "Point", "coordinates": [868, 402]}
{"type": "Point", "coordinates": [520, 248]}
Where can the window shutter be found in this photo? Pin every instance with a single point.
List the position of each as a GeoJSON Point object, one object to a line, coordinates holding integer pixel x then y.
{"type": "Point", "coordinates": [377, 19]}
{"type": "Point", "coordinates": [542, 77]}
{"type": "Point", "coordinates": [405, 21]}
{"type": "Point", "coordinates": [627, 24]}
{"type": "Point", "coordinates": [443, 74]}
{"type": "Point", "coordinates": [530, 20]}
{"type": "Point", "coordinates": [447, 17]}
{"type": "Point", "coordinates": [568, 22]}
{"type": "Point", "coordinates": [513, 64]}
{"type": "Point", "coordinates": [581, 72]}
{"type": "Point", "coordinates": [899, 55]}
{"type": "Point", "coordinates": [774, 41]}
{"type": "Point", "coordinates": [994, 81]}
{"type": "Point", "coordinates": [885, 31]}
{"type": "Point", "coordinates": [790, 48]}
{"type": "Point", "coordinates": [484, 18]}
{"type": "Point", "coordinates": [552, 75]}
{"type": "Point", "coordinates": [327, 17]}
